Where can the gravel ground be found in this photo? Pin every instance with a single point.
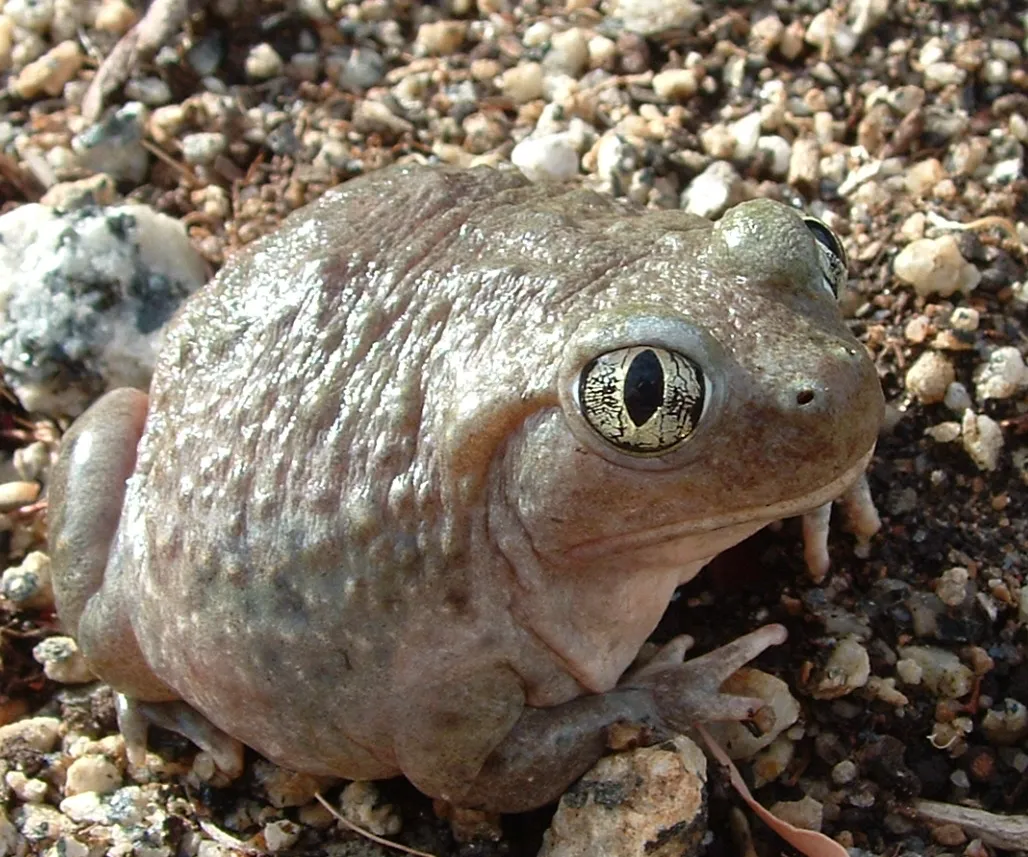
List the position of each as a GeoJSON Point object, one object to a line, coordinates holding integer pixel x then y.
{"type": "Point", "coordinates": [902, 124]}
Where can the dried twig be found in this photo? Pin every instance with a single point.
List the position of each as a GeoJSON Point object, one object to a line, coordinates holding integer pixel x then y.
{"type": "Point", "coordinates": [1008, 832]}
{"type": "Point", "coordinates": [367, 834]}
{"type": "Point", "coordinates": [158, 25]}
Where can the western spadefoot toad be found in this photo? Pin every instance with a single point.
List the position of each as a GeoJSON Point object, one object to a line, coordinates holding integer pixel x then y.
{"type": "Point", "coordinates": [419, 473]}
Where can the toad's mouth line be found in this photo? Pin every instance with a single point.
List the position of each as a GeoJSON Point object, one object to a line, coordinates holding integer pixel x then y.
{"type": "Point", "coordinates": [756, 517]}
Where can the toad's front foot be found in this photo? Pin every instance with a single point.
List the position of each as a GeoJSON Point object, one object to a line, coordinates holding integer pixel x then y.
{"type": "Point", "coordinates": [688, 691]}
{"type": "Point", "coordinates": [135, 718]}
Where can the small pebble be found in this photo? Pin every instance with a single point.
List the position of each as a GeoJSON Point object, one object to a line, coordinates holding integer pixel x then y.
{"type": "Point", "coordinates": [281, 835]}
{"type": "Point", "coordinates": [115, 16]}
{"type": "Point", "coordinates": [805, 813]}
{"type": "Point", "coordinates": [361, 804]}
{"type": "Point", "coordinates": [844, 772]}
{"type": "Point", "coordinates": [29, 585]}
{"type": "Point", "coordinates": [441, 38]}
{"type": "Point", "coordinates": [62, 661]}
{"type": "Point", "coordinates": [677, 84]}
{"type": "Point", "coordinates": [929, 377]}
{"type": "Point", "coordinates": [957, 399]}
{"type": "Point", "coordinates": [548, 158]}
{"type": "Point", "coordinates": [964, 319]}
{"type": "Point", "coordinates": [36, 15]}
{"type": "Point", "coordinates": [284, 788]}
{"type": "Point", "coordinates": [647, 18]}
{"type": "Point", "coordinates": [1006, 724]}
{"type": "Point", "coordinates": [1004, 376]}
{"type": "Point", "coordinates": [523, 83]}
{"type": "Point", "coordinates": [805, 163]}
{"type": "Point", "coordinates": [712, 191]}
{"type": "Point", "coordinates": [92, 774]}
{"type": "Point", "coordinates": [952, 588]}
{"type": "Point", "coordinates": [263, 62]}
{"type": "Point", "coordinates": [983, 439]}
{"type": "Point", "coordinates": [568, 53]}
{"type": "Point", "coordinates": [738, 741]}
{"type": "Point", "coordinates": [203, 147]}
{"type": "Point", "coordinates": [26, 789]}
{"type": "Point", "coordinates": [847, 669]}
{"type": "Point", "coordinates": [934, 266]}
{"type": "Point", "coordinates": [945, 432]}
{"type": "Point", "coordinates": [15, 495]}
{"type": "Point", "coordinates": [37, 733]}
{"type": "Point", "coordinates": [48, 74]}
{"type": "Point", "coordinates": [941, 670]}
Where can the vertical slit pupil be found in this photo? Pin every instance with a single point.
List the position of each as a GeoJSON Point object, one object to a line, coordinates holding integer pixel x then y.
{"type": "Point", "coordinates": [644, 387]}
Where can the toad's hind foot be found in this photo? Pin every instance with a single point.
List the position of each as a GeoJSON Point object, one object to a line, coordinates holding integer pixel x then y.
{"type": "Point", "coordinates": [135, 718]}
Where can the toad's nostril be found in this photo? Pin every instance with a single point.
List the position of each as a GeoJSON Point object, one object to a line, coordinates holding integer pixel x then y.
{"type": "Point", "coordinates": [805, 396]}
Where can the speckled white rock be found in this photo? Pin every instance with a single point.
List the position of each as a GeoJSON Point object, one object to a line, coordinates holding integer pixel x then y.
{"type": "Point", "coordinates": [203, 147]}
{"type": "Point", "coordinates": [62, 661]}
{"type": "Point", "coordinates": [551, 157]}
{"type": "Point", "coordinates": [114, 145]}
{"type": "Point", "coordinates": [85, 298]}
{"type": "Point", "coordinates": [983, 439]}
{"type": "Point", "coordinates": [712, 191]}
{"type": "Point", "coordinates": [934, 266]}
{"type": "Point", "coordinates": [38, 733]}
{"type": "Point", "coordinates": [929, 377]}
{"type": "Point", "coordinates": [941, 670]}
{"type": "Point", "coordinates": [650, 17]}
{"type": "Point", "coordinates": [648, 801]}
{"type": "Point", "coordinates": [952, 587]}
{"type": "Point", "coordinates": [569, 53]}
{"type": "Point", "coordinates": [676, 84]}
{"type": "Point", "coordinates": [440, 38]}
{"type": "Point", "coordinates": [736, 739]}
{"type": "Point", "coordinates": [361, 804]}
{"type": "Point", "coordinates": [1003, 376]}
{"type": "Point", "coordinates": [281, 835]}
{"type": "Point", "coordinates": [805, 813]}
{"type": "Point", "coordinates": [847, 669]}
{"type": "Point", "coordinates": [778, 152]}
{"type": "Point", "coordinates": [92, 774]}
{"type": "Point", "coordinates": [29, 584]}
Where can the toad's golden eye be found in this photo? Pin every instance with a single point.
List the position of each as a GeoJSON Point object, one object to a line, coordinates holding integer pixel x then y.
{"type": "Point", "coordinates": [832, 254]}
{"type": "Point", "coordinates": [644, 400]}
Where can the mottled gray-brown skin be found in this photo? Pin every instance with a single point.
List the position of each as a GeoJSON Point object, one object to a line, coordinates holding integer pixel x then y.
{"type": "Point", "coordinates": [367, 530]}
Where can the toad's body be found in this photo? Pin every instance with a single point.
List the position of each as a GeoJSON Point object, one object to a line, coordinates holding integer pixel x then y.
{"type": "Point", "coordinates": [385, 514]}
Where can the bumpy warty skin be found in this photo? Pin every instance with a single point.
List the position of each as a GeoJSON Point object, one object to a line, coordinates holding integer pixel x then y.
{"type": "Point", "coordinates": [363, 486]}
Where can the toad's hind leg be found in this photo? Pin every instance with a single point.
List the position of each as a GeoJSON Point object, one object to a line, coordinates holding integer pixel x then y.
{"type": "Point", "coordinates": [92, 590]}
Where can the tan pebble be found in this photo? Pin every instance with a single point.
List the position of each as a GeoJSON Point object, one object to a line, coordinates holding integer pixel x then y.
{"type": "Point", "coordinates": [38, 733]}
{"type": "Point", "coordinates": [916, 330]}
{"type": "Point", "coordinates": [949, 835]}
{"type": "Point", "coordinates": [359, 803]}
{"type": "Point", "coordinates": [929, 377]}
{"type": "Point", "coordinates": [15, 495]}
{"type": "Point", "coordinates": [6, 42]}
{"type": "Point", "coordinates": [806, 813]}
{"type": "Point", "coordinates": [923, 176]}
{"type": "Point", "coordinates": [440, 38]}
{"type": "Point", "coordinates": [737, 740]}
{"type": "Point", "coordinates": [115, 16]}
{"type": "Point", "coordinates": [771, 762]}
{"type": "Point", "coordinates": [805, 163]}
{"type": "Point", "coordinates": [50, 72]}
{"type": "Point", "coordinates": [92, 774]}
{"type": "Point", "coordinates": [847, 669]}
{"type": "Point", "coordinates": [281, 835]}
{"type": "Point", "coordinates": [946, 432]}
{"type": "Point", "coordinates": [26, 789]}
{"type": "Point", "coordinates": [952, 587]}
{"type": "Point", "coordinates": [983, 439]}
{"type": "Point", "coordinates": [523, 83]}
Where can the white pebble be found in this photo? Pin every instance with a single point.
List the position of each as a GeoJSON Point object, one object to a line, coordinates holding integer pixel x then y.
{"type": "Point", "coordinates": [62, 661]}
{"type": "Point", "coordinates": [952, 588]}
{"type": "Point", "coordinates": [92, 774]}
{"type": "Point", "coordinates": [941, 670]}
{"type": "Point", "coordinates": [203, 147]}
{"type": "Point", "coordinates": [1003, 376]}
{"type": "Point", "coordinates": [945, 432]}
{"type": "Point", "coordinates": [934, 266]}
{"type": "Point", "coordinates": [35, 15]}
{"type": "Point", "coordinates": [805, 813]}
{"type": "Point", "coordinates": [929, 377]}
{"type": "Point", "coordinates": [909, 671]}
{"type": "Point", "coordinates": [360, 803]}
{"type": "Point", "coordinates": [676, 84]}
{"type": "Point", "coordinates": [847, 669]}
{"type": "Point", "coordinates": [440, 38]}
{"type": "Point", "coordinates": [38, 733]}
{"type": "Point", "coordinates": [569, 53]}
{"type": "Point", "coordinates": [940, 74]}
{"type": "Point", "coordinates": [26, 789]}
{"type": "Point", "coordinates": [844, 772]}
{"type": "Point", "coordinates": [983, 439]}
{"type": "Point", "coordinates": [957, 399]}
{"type": "Point", "coordinates": [746, 132]}
{"type": "Point", "coordinates": [648, 18]}
{"type": "Point", "coordinates": [280, 835]}
{"type": "Point", "coordinates": [29, 585]}
{"type": "Point", "coordinates": [964, 318]}
{"type": "Point", "coordinates": [712, 191]}
{"type": "Point", "coordinates": [263, 62]}
{"type": "Point", "coordinates": [548, 158]}
{"type": "Point", "coordinates": [523, 83]}
{"type": "Point", "coordinates": [778, 152]}
{"type": "Point", "coordinates": [537, 35]}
